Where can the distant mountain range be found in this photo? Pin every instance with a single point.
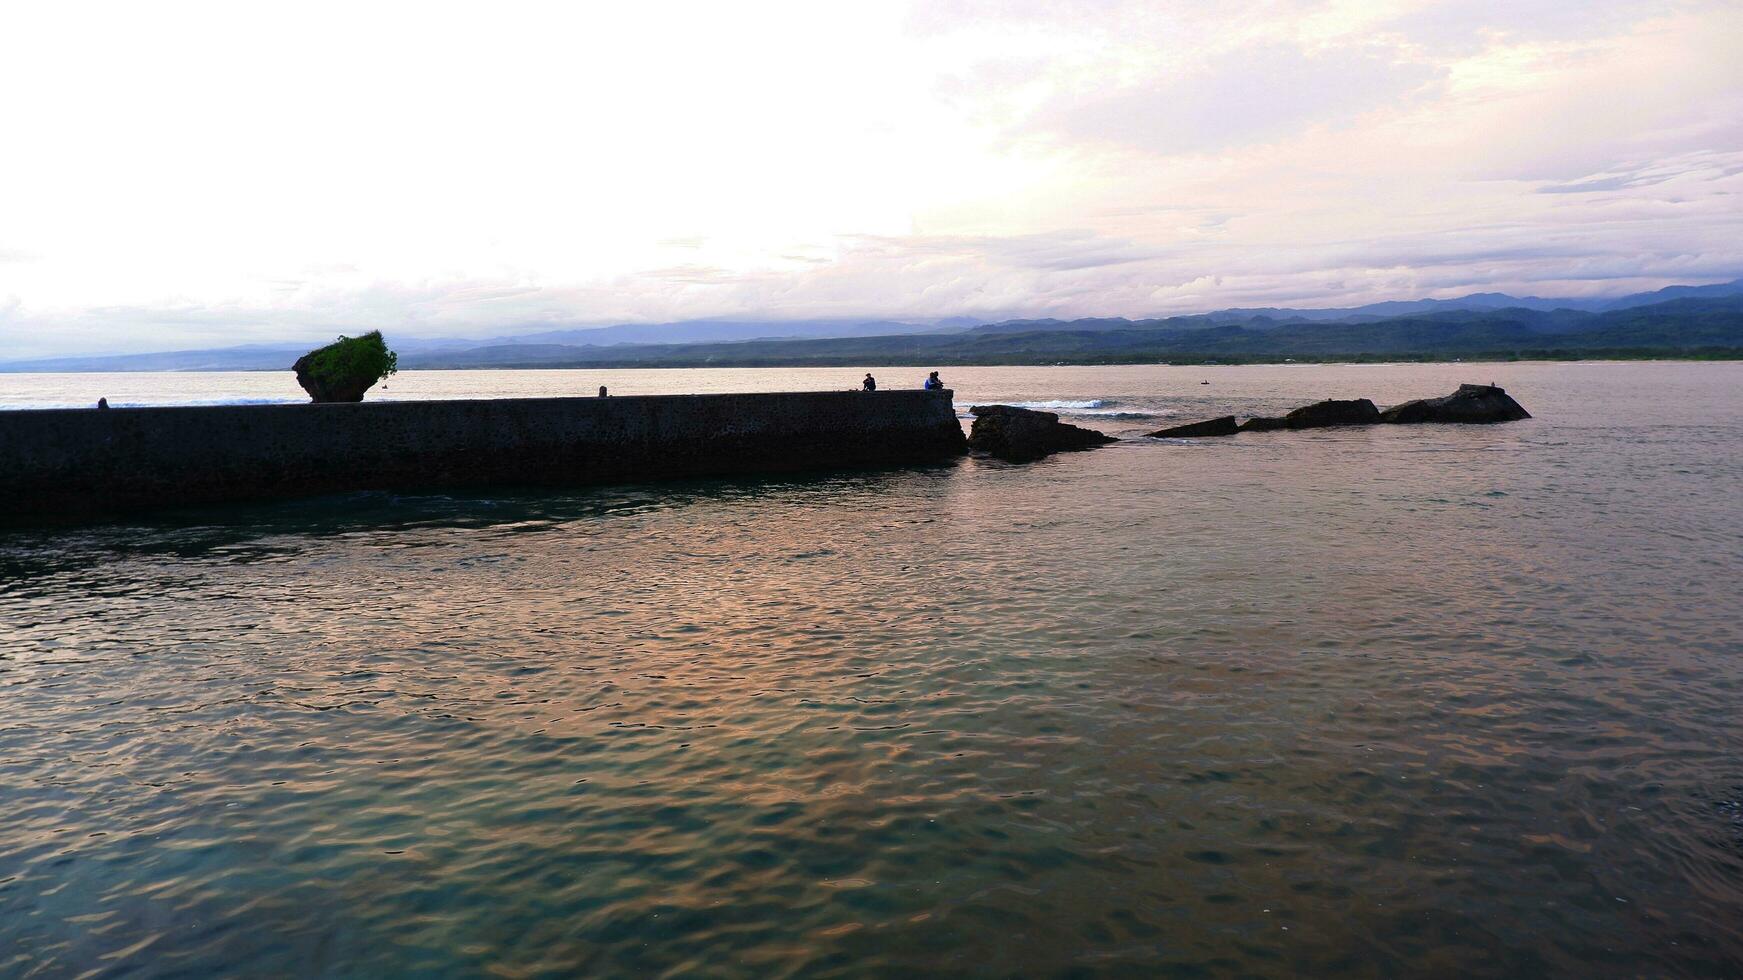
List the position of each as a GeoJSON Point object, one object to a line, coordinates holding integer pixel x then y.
{"type": "Point", "coordinates": [1474, 301]}
{"type": "Point", "coordinates": [270, 357]}
{"type": "Point", "coordinates": [1678, 321]}
{"type": "Point", "coordinates": [1676, 328]}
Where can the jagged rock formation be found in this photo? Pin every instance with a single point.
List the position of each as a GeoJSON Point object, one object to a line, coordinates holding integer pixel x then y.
{"type": "Point", "coordinates": [1021, 434]}
{"type": "Point", "coordinates": [1470, 404]}
{"type": "Point", "coordinates": [1320, 415]}
{"type": "Point", "coordinates": [1225, 426]}
{"type": "Point", "coordinates": [1262, 424]}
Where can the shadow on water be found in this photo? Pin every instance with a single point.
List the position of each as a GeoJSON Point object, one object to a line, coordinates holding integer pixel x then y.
{"type": "Point", "coordinates": [251, 531]}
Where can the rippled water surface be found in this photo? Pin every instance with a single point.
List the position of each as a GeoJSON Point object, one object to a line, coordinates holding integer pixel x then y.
{"type": "Point", "coordinates": [1383, 701]}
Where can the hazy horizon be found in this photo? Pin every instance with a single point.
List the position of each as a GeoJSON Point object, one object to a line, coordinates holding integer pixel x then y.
{"type": "Point", "coordinates": [207, 175]}
{"type": "Point", "coordinates": [522, 333]}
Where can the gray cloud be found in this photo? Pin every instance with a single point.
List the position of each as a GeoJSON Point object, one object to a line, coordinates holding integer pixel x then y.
{"type": "Point", "coordinates": [988, 277]}
{"type": "Point", "coordinates": [1257, 94]}
{"type": "Point", "coordinates": [1457, 26]}
{"type": "Point", "coordinates": [1701, 166]}
{"type": "Point", "coordinates": [1596, 184]}
{"type": "Point", "coordinates": [1048, 251]}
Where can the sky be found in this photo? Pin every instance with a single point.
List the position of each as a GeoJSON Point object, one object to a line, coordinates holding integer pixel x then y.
{"type": "Point", "coordinates": [178, 175]}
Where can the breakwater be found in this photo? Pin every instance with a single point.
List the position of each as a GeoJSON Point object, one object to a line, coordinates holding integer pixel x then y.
{"type": "Point", "coordinates": [62, 463]}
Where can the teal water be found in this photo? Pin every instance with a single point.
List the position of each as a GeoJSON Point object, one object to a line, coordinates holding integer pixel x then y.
{"type": "Point", "coordinates": [1366, 702]}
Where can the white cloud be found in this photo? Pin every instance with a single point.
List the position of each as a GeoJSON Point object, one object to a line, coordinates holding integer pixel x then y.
{"type": "Point", "coordinates": [185, 174]}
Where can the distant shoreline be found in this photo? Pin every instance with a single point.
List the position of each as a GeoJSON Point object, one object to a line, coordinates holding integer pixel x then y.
{"type": "Point", "coordinates": [1487, 357]}
{"type": "Point", "coordinates": [1175, 360]}
{"type": "Point", "coordinates": [1701, 323]}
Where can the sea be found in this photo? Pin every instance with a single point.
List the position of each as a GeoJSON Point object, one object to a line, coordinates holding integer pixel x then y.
{"type": "Point", "coordinates": [1373, 702]}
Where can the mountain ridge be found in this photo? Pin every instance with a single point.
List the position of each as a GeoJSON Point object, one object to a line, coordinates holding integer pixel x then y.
{"type": "Point", "coordinates": [1555, 322]}
{"type": "Point", "coordinates": [1684, 327]}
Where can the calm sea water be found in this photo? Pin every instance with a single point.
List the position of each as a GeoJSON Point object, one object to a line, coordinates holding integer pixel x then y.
{"type": "Point", "coordinates": [1375, 702]}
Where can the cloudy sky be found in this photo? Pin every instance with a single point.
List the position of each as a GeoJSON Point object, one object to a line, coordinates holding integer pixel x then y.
{"type": "Point", "coordinates": [179, 175]}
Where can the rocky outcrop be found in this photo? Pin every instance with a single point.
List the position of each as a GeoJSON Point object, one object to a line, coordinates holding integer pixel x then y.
{"type": "Point", "coordinates": [1471, 404]}
{"type": "Point", "coordinates": [343, 370]}
{"type": "Point", "coordinates": [1262, 424]}
{"type": "Point", "coordinates": [329, 390]}
{"type": "Point", "coordinates": [1021, 434]}
{"type": "Point", "coordinates": [1224, 426]}
{"type": "Point", "coordinates": [1319, 415]}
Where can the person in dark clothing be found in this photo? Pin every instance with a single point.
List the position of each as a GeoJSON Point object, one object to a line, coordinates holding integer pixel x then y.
{"type": "Point", "coordinates": [870, 383]}
{"type": "Point", "coordinates": [932, 382]}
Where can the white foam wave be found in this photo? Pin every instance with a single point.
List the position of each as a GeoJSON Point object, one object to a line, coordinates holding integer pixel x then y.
{"type": "Point", "coordinates": [1084, 408]}
{"type": "Point", "coordinates": [1061, 405]}
{"type": "Point", "coordinates": [1124, 413]}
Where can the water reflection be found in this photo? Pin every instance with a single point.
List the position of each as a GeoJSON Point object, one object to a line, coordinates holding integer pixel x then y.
{"type": "Point", "coordinates": [275, 530]}
{"type": "Point", "coordinates": [1359, 702]}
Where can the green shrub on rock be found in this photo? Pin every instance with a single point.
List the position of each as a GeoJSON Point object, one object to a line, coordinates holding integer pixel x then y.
{"type": "Point", "coordinates": [343, 370]}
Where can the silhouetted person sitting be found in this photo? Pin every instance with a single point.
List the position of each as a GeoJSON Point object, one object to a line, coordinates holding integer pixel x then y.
{"type": "Point", "coordinates": [932, 382]}
{"type": "Point", "coordinates": [870, 383]}
{"type": "Point", "coordinates": [602, 391]}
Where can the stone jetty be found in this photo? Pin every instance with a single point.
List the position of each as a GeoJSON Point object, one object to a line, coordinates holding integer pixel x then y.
{"type": "Point", "coordinates": [59, 464]}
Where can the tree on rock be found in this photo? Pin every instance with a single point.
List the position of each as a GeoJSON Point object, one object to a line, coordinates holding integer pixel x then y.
{"type": "Point", "coordinates": [343, 370]}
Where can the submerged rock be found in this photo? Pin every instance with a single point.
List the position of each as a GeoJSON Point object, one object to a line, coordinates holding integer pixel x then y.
{"type": "Point", "coordinates": [1224, 426]}
{"type": "Point", "coordinates": [1471, 403]}
{"type": "Point", "coordinates": [1021, 434]}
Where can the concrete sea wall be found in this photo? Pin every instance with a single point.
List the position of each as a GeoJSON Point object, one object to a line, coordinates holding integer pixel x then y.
{"type": "Point", "coordinates": [64, 463]}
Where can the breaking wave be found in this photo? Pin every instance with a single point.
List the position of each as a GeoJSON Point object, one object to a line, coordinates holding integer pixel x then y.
{"type": "Point", "coordinates": [1101, 408]}
{"type": "Point", "coordinates": [1062, 405]}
